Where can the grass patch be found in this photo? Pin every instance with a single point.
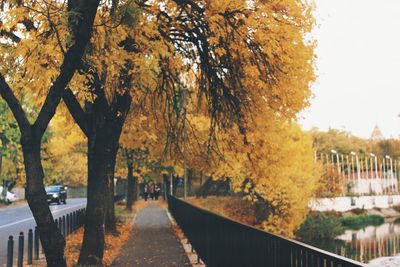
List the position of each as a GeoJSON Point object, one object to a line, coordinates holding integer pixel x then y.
{"type": "Point", "coordinates": [229, 206]}
{"type": "Point", "coordinates": [319, 226]}
{"type": "Point", "coordinates": [326, 226]}
{"type": "Point", "coordinates": [361, 221]}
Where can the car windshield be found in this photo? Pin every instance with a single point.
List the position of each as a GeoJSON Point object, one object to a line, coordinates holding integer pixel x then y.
{"type": "Point", "coordinates": [51, 189]}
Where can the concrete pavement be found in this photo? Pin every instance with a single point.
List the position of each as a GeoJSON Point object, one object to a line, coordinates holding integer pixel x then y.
{"type": "Point", "coordinates": [153, 241]}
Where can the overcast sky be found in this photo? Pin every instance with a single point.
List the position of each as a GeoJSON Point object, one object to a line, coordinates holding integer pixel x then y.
{"type": "Point", "coordinates": [358, 67]}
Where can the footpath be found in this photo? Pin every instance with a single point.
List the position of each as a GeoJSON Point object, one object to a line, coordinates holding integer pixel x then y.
{"type": "Point", "coordinates": [153, 241]}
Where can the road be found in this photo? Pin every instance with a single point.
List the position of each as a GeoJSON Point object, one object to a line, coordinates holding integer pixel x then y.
{"type": "Point", "coordinates": [14, 220]}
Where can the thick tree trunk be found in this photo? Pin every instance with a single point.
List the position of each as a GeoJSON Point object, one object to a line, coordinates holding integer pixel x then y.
{"type": "Point", "coordinates": [52, 241]}
{"type": "Point", "coordinates": [93, 240]}
{"type": "Point", "coordinates": [131, 182]}
{"type": "Point", "coordinates": [100, 215]}
{"type": "Point", "coordinates": [111, 223]}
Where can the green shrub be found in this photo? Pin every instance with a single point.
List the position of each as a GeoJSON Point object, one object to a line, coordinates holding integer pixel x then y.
{"type": "Point", "coordinates": [361, 221]}
{"type": "Point", "coordinates": [319, 226]}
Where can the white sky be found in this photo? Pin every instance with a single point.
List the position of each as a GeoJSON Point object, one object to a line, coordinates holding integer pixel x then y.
{"type": "Point", "coordinates": [358, 67]}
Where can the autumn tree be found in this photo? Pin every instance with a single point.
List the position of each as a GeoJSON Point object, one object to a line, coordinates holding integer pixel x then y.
{"type": "Point", "coordinates": [30, 61]}
{"type": "Point", "coordinates": [65, 153]}
{"type": "Point", "coordinates": [235, 56]}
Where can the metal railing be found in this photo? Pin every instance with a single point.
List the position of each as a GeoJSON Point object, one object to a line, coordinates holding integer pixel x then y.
{"type": "Point", "coordinates": [220, 241]}
{"type": "Point", "coordinates": [67, 224]}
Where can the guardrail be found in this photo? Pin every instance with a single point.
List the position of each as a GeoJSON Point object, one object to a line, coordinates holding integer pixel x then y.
{"type": "Point", "coordinates": [220, 241]}
{"type": "Point", "coordinates": [67, 224]}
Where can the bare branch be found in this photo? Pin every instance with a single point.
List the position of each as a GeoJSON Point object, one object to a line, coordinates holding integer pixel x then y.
{"type": "Point", "coordinates": [15, 106]}
{"type": "Point", "coordinates": [76, 111]}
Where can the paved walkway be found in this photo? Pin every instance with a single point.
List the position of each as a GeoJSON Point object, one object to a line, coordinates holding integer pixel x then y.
{"type": "Point", "coordinates": [153, 242]}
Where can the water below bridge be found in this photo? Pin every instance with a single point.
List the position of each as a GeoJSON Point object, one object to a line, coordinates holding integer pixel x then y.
{"type": "Point", "coordinates": [376, 246]}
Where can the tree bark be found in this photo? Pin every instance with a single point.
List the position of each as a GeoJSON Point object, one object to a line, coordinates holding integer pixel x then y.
{"type": "Point", "coordinates": [111, 222]}
{"type": "Point", "coordinates": [104, 130]}
{"type": "Point", "coordinates": [131, 180]}
{"type": "Point", "coordinates": [52, 241]}
{"type": "Point", "coordinates": [99, 156]}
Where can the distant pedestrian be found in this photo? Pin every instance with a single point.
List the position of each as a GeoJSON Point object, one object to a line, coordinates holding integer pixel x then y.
{"type": "Point", "coordinates": [152, 191]}
{"type": "Point", "coordinates": [145, 192]}
{"type": "Point", "coordinates": [157, 191]}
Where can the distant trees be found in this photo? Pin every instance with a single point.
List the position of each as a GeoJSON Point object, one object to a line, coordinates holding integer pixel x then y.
{"type": "Point", "coordinates": [344, 142]}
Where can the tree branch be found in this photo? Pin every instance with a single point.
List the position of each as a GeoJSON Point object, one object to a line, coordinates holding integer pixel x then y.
{"type": "Point", "coordinates": [10, 35]}
{"type": "Point", "coordinates": [72, 61]}
{"type": "Point", "coordinates": [15, 106]}
{"type": "Point", "coordinates": [76, 111]}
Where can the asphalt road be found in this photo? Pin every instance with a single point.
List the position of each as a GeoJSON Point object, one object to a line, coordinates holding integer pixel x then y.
{"type": "Point", "coordinates": [14, 220]}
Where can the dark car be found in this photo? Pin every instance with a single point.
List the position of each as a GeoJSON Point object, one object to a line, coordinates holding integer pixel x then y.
{"type": "Point", "coordinates": [56, 193]}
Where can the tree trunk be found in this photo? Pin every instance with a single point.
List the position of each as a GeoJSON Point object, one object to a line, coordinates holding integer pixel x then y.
{"type": "Point", "coordinates": [52, 241]}
{"type": "Point", "coordinates": [100, 215]}
{"type": "Point", "coordinates": [111, 222]}
{"type": "Point", "coordinates": [131, 181]}
{"type": "Point", "coordinates": [97, 191]}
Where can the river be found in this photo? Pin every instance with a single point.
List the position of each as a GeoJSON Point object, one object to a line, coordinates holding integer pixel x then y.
{"type": "Point", "coordinates": [377, 246]}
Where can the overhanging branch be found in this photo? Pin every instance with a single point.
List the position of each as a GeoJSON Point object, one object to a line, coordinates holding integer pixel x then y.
{"type": "Point", "coordinates": [15, 106]}
{"type": "Point", "coordinates": [76, 111]}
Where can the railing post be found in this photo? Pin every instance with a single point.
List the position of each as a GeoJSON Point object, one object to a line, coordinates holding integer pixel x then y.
{"type": "Point", "coordinates": [20, 249]}
{"type": "Point", "coordinates": [75, 224]}
{"type": "Point", "coordinates": [36, 244]}
{"type": "Point", "coordinates": [67, 225]}
{"type": "Point", "coordinates": [60, 225]}
{"type": "Point", "coordinates": [10, 251]}
{"type": "Point", "coordinates": [63, 226]}
{"type": "Point", "coordinates": [71, 223]}
{"type": "Point", "coordinates": [30, 246]}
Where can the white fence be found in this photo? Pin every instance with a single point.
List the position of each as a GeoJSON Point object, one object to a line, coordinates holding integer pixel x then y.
{"type": "Point", "coordinates": [342, 204]}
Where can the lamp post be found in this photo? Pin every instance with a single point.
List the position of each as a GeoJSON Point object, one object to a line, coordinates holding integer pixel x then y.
{"type": "Point", "coordinates": [358, 170]}
{"type": "Point", "coordinates": [376, 165]}
{"type": "Point", "coordinates": [391, 171]}
{"type": "Point", "coordinates": [334, 152]}
{"type": "Point", "coordinates": [358, 164]}
{"type": "Point", "coordinates": [352, 165]}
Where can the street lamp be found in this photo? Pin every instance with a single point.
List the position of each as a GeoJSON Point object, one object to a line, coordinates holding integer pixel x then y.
{"type": "Point", "coordinates": [337, 159]}
{"type": "Point", "coordinates": [391, 170]}
{"type": "Point", "coordinates": [376, 164]}
{"type": "Point", "coordinates": [358, 164]}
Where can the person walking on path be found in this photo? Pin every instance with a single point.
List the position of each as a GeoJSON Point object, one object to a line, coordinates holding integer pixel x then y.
{"type": "Point", "coordinates": [145, 192]}
{"type": "Point", "coordinates": [152, 191]}
{"type": "Point", "coordinates": [153, 241]}
{"type": "Point", "coordinates": [156, 191]}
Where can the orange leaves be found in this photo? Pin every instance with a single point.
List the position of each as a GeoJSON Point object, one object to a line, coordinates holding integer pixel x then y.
{"type": "Point", "coordinates": [112, 247]}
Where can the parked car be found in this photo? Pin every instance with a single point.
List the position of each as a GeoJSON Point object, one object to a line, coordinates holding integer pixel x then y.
{"type": "Point", "coordinates": [10, 197]}
{"type": "Point", "coordinates": [56, 193]}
